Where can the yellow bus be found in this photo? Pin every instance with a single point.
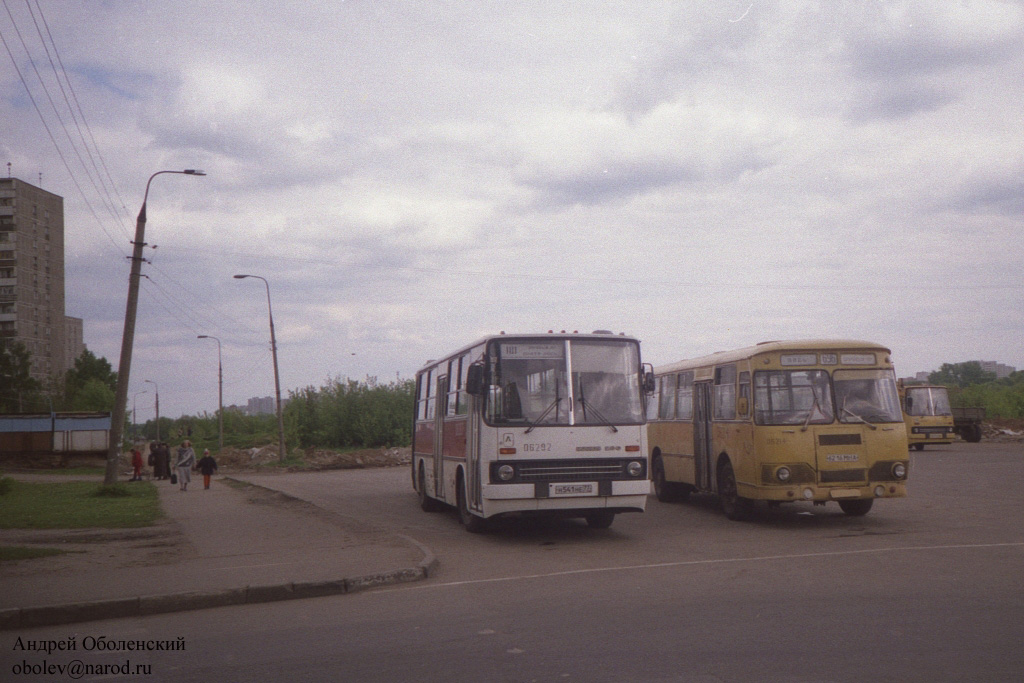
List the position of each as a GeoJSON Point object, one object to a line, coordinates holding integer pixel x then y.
{"type": "Point", "coordinates": [928, 415]}
{"type": "Point", "coordinates": [814, 421]}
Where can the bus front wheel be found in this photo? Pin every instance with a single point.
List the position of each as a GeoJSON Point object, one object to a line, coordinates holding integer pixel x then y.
{"type": "Point", "coordinates": [734, 507]}
{"type": "Point", "coordinates": [472, 523]}
{"type": "Point", "coordinates": [600, 520]}
{"type": "Point", "coordinates": [664, 490]}
{"type": "Point", "coordinates": [856, 508]}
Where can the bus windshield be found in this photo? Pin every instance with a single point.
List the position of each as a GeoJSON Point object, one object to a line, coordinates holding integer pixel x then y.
{"type": "Point", "coordinates": [928, 401]}
{"type": "Point", "coordinates": [788, 397]}
{"type": "Point", "coordinates": [529, 382]}
{"type": "Point", "coordinates": [867, 396]}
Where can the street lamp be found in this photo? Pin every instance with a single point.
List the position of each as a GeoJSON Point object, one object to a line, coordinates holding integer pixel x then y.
{"type": "Point", "coordinates": [124, 366]}
{"type": "Point", "coordinates": [220, 390]}
{"type": "Point", "coordinates": [157, 408]}
{"type": "Point", "coordinates": [135, 419]}
{"type": "Point", "coordinates": [277, 380]}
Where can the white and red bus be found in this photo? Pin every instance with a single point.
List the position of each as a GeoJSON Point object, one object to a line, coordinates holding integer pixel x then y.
{"type": "Point", "coordinates": [536, 423]}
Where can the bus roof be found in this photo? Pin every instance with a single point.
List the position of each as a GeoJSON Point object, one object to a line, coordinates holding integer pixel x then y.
{"type": "Point", "coordinates": [550, 334]}
{"type": "Point", "coordinates": [769, 347]}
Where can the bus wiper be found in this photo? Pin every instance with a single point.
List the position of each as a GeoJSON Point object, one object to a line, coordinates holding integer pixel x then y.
{"type": "Point", "coordinates": [810, 412]}
{"type": "Point", "coordinates": [858, 417]}
{"type": "Point", "coordinates": [602, 418]}
{"type": "Point", "coordinates": [540, 419]}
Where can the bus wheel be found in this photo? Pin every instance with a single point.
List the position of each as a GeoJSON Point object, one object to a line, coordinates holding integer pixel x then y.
{"type": "Point", "coordinates": [734, 507]}
{"type": "Point", "coordinates": [918, 446]}
{"type": "Point", "coordinates": [856, 508]}
{"type": "Point", "coordinates": [427, 504]}
{"type": "Point", "coordinates": [665, 491]}
{"type": "Point", "coordinates": [472, 523]}
{"type": "Point", "coordinates": [600, 520]}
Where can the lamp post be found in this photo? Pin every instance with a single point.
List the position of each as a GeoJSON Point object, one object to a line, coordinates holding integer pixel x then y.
{"type": "Point", "coordinates": [220, 391]}
{"type": "Point", "coordinates": [277, 380]}
{"type": "Point", "coordinates": [128, 339]}
{"type": "Point", "coordinates": [135, 420]}
{"type": "Point", "coordinates": [157, 387]}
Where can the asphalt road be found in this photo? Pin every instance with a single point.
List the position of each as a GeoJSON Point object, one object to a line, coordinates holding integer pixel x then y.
{"type": "Point", "coordinates": [926, 588]}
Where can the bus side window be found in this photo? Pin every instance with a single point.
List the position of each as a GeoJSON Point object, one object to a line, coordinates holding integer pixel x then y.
{"type": "Point", "coordinates": [725, 392]}
{"type": "Point", "coordinates": [428, 398]}
{"type": "Point", "coordinates": [667, 407]}
{"type": "Point", "coordinates": [684, 397]}
{"type": "Point", "coordinates": [743, 404]}
{"type": "Point", "coordinates": [653, 400]}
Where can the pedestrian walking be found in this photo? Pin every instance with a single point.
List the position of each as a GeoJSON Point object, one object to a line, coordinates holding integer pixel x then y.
{"type": "Point", "coordinates": [207, 466]}
{"type": "Point", "coordinates": [136, 464]}
{"type": "Point", "coordinates": [163, 461]}
{"type": "Point", "coordinates": [185, 462]}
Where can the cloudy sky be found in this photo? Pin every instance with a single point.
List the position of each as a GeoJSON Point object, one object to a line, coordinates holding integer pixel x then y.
{"type": "Point", "coordinates": [409, 176]}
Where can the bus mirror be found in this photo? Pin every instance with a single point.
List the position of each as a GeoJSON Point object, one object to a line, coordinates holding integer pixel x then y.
{"type": "Point", "coordinates": [475, 380]}
{"type": "Point", "coordinates": [742, 406]}
{"type": "Point", "coordinates": [648, 380]}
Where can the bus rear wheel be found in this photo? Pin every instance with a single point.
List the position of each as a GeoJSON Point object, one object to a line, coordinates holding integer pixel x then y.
{"type": "Point", "coordinates": [735, 508]}
{"type": "Point", "coordinates": [857, 508]}
{"type": "Point", "coordinates": [472, 523]}
{"type": "Point", "coordinates": [600, 520]}
{"type": "Point", "coordinates": [427, 504]}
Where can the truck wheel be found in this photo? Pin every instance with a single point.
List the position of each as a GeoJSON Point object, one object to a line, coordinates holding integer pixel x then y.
{"type": "Point", "coordinates": [974, 434]}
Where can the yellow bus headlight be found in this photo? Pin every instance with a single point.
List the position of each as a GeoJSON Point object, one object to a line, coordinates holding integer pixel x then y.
{"type": "Point", "coordinates": [899, 470]}
{"type": "Point", "coordinates": [783, 474]}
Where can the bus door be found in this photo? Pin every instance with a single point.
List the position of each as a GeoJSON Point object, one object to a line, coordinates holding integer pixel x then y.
{"type": "Point", "coordinates": [702, 459]}
{"type": "Point", "coordinates": [440, 410]}
{"type": "Point", "coordinates": [473, 451]}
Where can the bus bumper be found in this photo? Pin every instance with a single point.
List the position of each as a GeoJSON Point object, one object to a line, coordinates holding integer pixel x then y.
{"type": "Point", "coordinates": [504, 498]}
{"type": "Point", "coordinates": [820, 494]}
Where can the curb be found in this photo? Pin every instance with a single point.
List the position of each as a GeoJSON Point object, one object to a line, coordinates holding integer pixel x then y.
{"type": "Point", "coordinates": [31, 617]}
{"type": "Point", "coordinates": [120, 608]}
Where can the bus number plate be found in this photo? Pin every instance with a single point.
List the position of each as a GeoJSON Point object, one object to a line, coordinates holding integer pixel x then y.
{"type": "Point", "coordinates": [564, 490]}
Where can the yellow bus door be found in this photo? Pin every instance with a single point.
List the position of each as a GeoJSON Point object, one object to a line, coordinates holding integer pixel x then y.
{"type": "Point", "coordinates": [702, 447]}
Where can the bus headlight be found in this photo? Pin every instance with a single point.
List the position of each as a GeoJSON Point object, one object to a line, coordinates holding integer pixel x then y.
{"type": "Point", "coordinates": [899, 470]}
{"type": "Point", "coordinates": [783, 474]}
{"type": "Point", "coordinates": [635, 468]}
{"type": "Point", "coordinates": [506, 472]}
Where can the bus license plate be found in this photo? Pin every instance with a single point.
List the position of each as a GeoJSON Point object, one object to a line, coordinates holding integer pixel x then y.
{"type": "Point", "coordinates": [564, 490]}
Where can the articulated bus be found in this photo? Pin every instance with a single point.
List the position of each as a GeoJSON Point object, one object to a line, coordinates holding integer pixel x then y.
{"type": "Point", "coordinates": [550, 423]}
{"type": "Point", "coordinates": [814, 421]}
{"type": "Point", "coordinates": [928, 415]}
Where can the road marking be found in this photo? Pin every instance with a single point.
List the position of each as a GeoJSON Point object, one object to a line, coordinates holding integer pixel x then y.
{"type": "Point", "coordinates": [688, 563]}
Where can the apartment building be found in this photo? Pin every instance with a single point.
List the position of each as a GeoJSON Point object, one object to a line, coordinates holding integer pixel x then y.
{"type": "Point", "coordinates": [32, 275]}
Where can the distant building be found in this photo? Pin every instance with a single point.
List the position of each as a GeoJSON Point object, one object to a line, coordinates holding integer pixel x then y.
{"type": "Point", "coordinates": [74, 341]}
{"type": "Point", "coordinates": [32, 275]}
{"type": "Point", "coordinates": [263, 406]}
{"type": "Point", "coordinates": [1001, 370]}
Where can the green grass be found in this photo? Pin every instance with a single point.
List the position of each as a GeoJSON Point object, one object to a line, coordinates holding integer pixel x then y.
{"type": "Point", "coordinates": [79, 505]}
{"type": "Point", "coordinates": [13, 553]}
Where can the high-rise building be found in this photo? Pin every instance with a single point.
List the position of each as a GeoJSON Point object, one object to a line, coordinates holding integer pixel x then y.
{"type": "Point", "coordinates": [32, 275]}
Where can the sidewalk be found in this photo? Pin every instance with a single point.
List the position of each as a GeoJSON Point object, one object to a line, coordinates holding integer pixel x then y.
{"type": "Point", "coordinates": [227, 545]}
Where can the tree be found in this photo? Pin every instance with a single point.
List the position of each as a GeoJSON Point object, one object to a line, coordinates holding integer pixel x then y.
{"type": "Point", "coordinates": [91, 384]}
{"type": "Point", "coordinates": [961, 374]}
{"type": "Point", "coordinates": [18, 389]}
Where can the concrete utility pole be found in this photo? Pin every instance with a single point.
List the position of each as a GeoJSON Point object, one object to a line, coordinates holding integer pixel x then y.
{"type": "Point", "coordinates": [220, 392]}
{"type": "Point", "coordinates": [157, 387]}
{"type": "Point", "coordinates": [277, 380]}
{"type": "Point", "coordinates": [128, 339]}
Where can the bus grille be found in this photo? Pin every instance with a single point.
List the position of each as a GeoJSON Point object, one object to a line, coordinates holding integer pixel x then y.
{"type": "Point", "coordinates": [837, 476]}
{"type": "Point", "coordinates": [530, 471]}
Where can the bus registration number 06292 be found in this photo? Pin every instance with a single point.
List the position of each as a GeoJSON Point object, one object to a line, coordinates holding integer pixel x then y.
{"type": "Point", "coordinates": [578, 489]}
